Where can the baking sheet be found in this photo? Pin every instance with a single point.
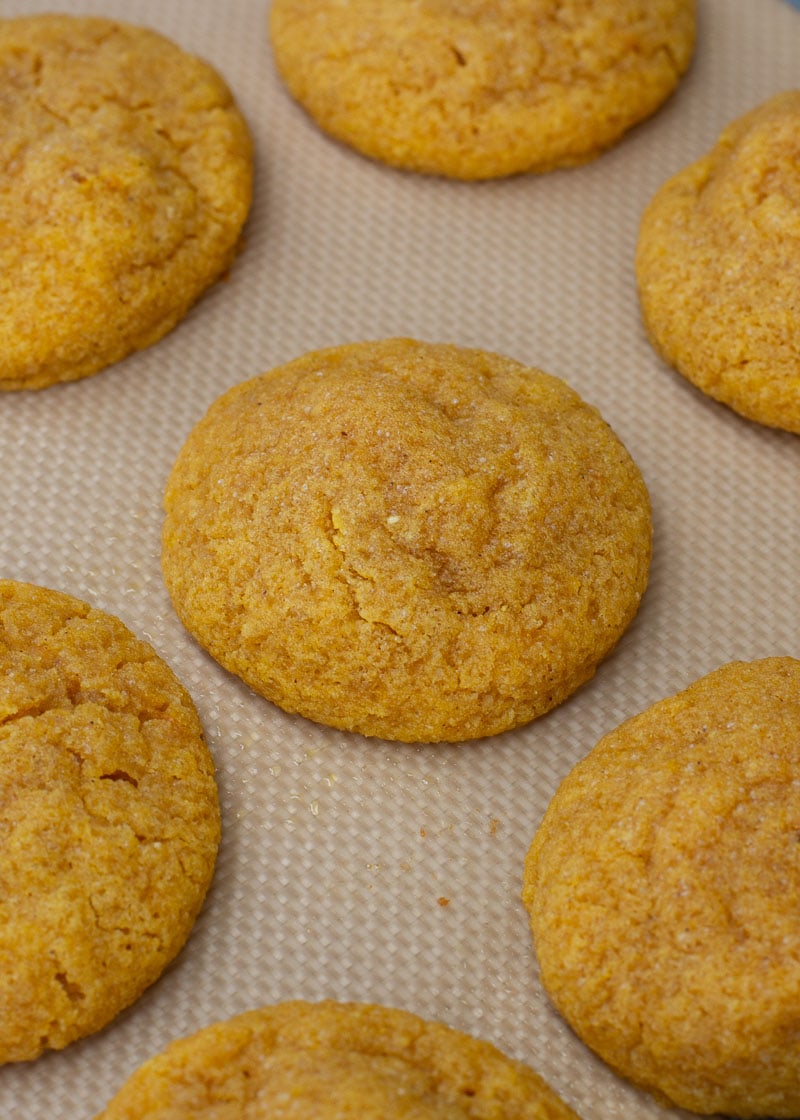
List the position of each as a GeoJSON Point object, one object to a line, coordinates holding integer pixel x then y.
{"type": "Point", "coordinates": [358, 869]}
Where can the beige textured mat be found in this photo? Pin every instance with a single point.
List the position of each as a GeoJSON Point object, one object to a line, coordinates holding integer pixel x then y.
{"type": "Point", "coordinates": [364, 870]}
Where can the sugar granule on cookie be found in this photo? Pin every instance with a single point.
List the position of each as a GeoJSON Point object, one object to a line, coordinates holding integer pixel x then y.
{"type": "Point", "coordinates": [414, 541]}
{"type": "Point", "coordinates": [718, 266]}
{"type": "Point", "coordinates": [477, 90]}
{"type": "Point", "coordinates": [314, 1061]}
{"type": "Point", "coordinates": [109, 819]}
{"type": "Point", "coordinates": [663, 887]}
{"type": "Point", "coordinates": [126, 179]}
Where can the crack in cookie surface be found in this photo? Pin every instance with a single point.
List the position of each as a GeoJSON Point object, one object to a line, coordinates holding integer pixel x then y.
{"type": "Point", "coordinates": [109, 818]}
{"type": "Point", "coordinates": [407, 528]}
{"type": "Point", "coordinates": [125, 179]}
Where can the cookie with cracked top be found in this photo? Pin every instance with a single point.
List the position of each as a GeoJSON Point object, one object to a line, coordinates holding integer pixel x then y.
{"type": "Point", "coordinates": [109, 818]}
{"type": "Point", "coordinates": [473, 89]}
{"type": "Point", "coordinates": [410, 540]}
{"type": "Point", "coordinates": [663, 887]}
{"type": "Point", "coordinates": [309, 1061]}
{"type": "Point", "coordinates": [126, 179]}
{"type": "Point", "coordinates": [718, 266]}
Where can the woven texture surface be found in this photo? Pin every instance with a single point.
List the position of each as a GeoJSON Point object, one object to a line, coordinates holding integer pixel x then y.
{"type": "Point", "coordinates": [364, 870]}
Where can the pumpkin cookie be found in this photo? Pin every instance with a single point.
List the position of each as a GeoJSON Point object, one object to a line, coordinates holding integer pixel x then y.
{"type": "Point", "coordinates": [304, 1061]}
{"type": "Point", "coordinates": [718, 267]}
{"type": "Point", "coordinates": [414, 541]}
{"type": "Point", "coordinates": [125, 182]}
{"type": "Point", "coordinates": [479, 90]}
{"type": "Point", "coordinates": [108, 816]}
{"type": "Point", "coordinates": [663, 887]}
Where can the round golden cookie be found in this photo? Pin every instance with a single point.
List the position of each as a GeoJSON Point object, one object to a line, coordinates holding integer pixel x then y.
{"type": "Point", "coordinates": [718, 267]}
{"type": "Point", "coordinates": [663, 887]}
{"type": "Point", "coordinates": [307, 1061]}
{"type": "Point", "coordinates": [108, 816]}
{"type": "Point", "coordinates": [477, 90]}
{"type": "Point", "coordinates": [414, 541]}
{"type": "Point", "coordinates": [125, 182]}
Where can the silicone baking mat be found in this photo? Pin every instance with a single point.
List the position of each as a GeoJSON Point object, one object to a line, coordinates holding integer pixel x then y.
{"type": "Point", "coordinates": [359, 869]}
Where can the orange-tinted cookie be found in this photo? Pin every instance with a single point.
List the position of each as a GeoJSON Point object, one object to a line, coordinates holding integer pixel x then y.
{"type": "Point", "coordinates": [125, 182]}
{"type": "Point", "coordinates": [109, 819]}
{"type": "Point", "coordinates": [718, 267]}
{"type": "Point", "coordinates": [414, 541]}
{"type": "Point", "coordinates": [663, 886]}
{"type": "Point", "coordinates": [332, 1061]}
{"type": "Point", "coordinates": [477, 89]}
